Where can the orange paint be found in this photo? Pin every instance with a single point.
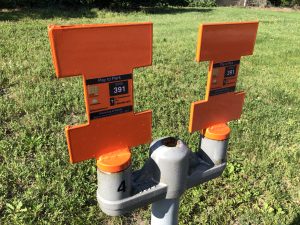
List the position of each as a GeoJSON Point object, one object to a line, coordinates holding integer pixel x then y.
{"type": "Point", "coordinates": [114, 162]}
{"type": "Point", "coordinates": [218, 132]}
{"type": "Point", "coordinates": [225, 41]}
{"type": "Point", "coordinates": [218, 109]}
{"type": "Point", "coordinates": [223, 44]}
{"type": "Point", "coordinates": [105, 56]}
{"type": "Point", "coordinates": [100, 49]}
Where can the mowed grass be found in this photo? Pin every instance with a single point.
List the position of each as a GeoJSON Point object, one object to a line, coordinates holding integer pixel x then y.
{"type": "Point", "coordinates": [261, 183]}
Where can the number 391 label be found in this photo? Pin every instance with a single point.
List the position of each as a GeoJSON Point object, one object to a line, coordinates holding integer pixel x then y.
{"type": "Point", "coordinates": [118, 88]}
{"type": "Point", "coordinates": [109, 96]}
{"type": "Point", "coordinates": [230, 71]}
{"type": "Point", "coordinates": [224, 77]}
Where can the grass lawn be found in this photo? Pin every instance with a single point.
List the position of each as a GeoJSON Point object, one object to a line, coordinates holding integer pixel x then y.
{"type": "Point", "coordinates": [261, 184]}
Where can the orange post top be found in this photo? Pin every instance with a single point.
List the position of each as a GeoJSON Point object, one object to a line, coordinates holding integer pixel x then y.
{"type": "Point", "coordinates": [217, 132]}
{"type": "Point", "coordinates": [105, 56]}
{"type": "Point", "coordinates": [114, 161]}
{"type": "Point", "coordinates": [223, 44]}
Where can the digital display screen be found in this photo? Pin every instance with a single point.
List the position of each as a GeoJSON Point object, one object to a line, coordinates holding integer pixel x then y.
{"type": "Point", "coordinates": [230, 71]}
{"type": "Point", "coordinates": [118, 88]}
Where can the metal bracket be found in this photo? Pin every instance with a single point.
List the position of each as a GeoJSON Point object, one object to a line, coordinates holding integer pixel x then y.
{"type": "Point", "coordinates": [171, 169]}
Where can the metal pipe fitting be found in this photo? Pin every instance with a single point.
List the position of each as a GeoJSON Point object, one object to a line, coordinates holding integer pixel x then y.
{"type": "Point", "coordinates": [171, 157]}
{"type": "Point", "coordinates": [215, 150]}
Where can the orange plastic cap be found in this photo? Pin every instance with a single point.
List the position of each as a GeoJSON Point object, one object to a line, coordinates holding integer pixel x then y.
{"type": "Point", "coordinates": [217, 132]}
{"type": "Point", "coordinates": [115, 161]}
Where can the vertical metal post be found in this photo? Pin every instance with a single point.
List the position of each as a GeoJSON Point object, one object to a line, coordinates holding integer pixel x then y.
{"type": "Point", "coordinates": [214, 143]}
{"type": "Point", "coordinates": [171, 157]}
{"type": "Point", "coordinates": [113, 186]}
{"type": "Point", "coordinates": [165, 212]}
{"type": "Point", "coordinates": [215, 149]}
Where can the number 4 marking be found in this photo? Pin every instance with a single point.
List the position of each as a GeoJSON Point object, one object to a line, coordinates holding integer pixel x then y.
{"type": "Point", "coordinates": [122, 186]}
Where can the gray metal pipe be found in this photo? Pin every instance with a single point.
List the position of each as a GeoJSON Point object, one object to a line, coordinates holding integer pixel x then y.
{"type": "Point", "coordinates": [171, 169]}
{"type": "Point", "coordinates": [165, 212]}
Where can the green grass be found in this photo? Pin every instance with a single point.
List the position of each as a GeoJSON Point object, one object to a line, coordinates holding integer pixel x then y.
{"type": "Point", "coordinates": [261, 184]}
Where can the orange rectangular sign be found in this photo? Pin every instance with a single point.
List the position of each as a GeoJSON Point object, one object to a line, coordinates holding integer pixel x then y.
{"type": "Point", "coordinates": [226, 41]}
{"type": "Point", "coordinates": [220, 109]}
{"type": "Point", "coordinates": [105, 56]}
{"type": "Point", "coordinates": [223, 44]}
{"type": "Point", "coordinates": [100, 49]}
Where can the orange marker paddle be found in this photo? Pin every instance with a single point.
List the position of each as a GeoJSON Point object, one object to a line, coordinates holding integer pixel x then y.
{"type": "Point", "coordinates": [105, 56]}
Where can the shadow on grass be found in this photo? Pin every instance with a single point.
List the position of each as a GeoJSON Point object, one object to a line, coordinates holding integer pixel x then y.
{"type": "Point", "coordinates": [81, 12]}
{"type": "Point", "coordinates": [45, 13]}
{"type": "Point", "coordinates": [175, 10]}
{"type": "Point", "coordinates": [296, 220]}
{"type": "Point", "coordinates": [161, 10]}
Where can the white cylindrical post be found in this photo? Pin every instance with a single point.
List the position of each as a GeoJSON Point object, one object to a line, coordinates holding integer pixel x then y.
{"type": "Point", "coordinates": [165, 212]}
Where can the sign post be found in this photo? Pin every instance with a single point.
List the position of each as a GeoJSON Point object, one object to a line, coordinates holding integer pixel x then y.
{"type": "Point", "coordinates": [222, 44]}
{"type": "Point", "coordinates": [105, 56]}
